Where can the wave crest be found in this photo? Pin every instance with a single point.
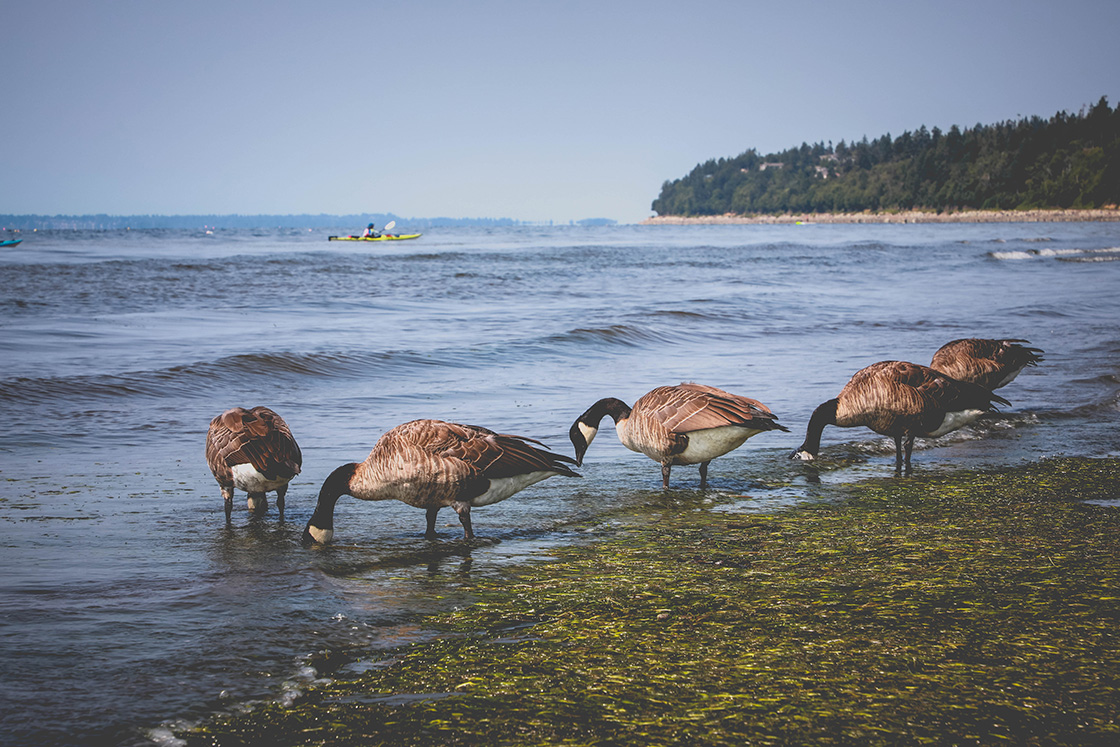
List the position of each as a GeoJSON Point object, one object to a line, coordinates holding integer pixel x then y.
{"type": "Point", "coordinates": [207, 377]}
{"type": "Point", "coordinates": [615, 335]}
{"type": "Point", "coordinates": [1108, 254]}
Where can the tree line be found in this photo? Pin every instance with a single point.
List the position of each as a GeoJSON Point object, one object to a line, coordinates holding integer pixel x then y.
{"type": "Point", "coordinates": [1067, 161]}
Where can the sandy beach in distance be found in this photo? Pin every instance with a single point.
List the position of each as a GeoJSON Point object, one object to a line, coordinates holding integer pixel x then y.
{"type": "Point", "coordinates": [909, 216]}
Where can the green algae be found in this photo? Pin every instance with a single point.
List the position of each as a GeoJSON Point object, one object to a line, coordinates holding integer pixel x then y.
{"type": "Point", "coordinates": [969, 608]}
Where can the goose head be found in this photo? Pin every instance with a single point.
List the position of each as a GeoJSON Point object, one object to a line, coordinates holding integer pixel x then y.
{"type": "Point", "coordinates": [586, 426]}
{"type": "Point", "coordinates": [320, 527]}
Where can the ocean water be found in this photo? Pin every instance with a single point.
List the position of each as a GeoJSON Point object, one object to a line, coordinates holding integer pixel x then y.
{"type": "Point", "coordinates": [128, 607]}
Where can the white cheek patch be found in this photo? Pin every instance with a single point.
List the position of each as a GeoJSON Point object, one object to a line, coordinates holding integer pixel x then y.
{"type": "Point", "coordinates": [804, 456]}
{"type": "Point", "coordinates": [588, 432]}
{"type": "Point", "coordinates": [322, 536]}
{"type": "Point", "coordinates": [955, 420]}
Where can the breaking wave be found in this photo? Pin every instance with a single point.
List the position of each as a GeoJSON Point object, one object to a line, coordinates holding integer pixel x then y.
{"type": "Point", "coordinates": [1109, 254]}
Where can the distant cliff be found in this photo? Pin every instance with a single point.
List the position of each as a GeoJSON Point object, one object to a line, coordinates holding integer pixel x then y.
{"type": "Point", "coordinates": [1067, 161]}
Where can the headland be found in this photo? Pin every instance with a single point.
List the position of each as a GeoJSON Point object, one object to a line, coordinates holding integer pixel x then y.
{"type": "Point", "coordinates": [905, 216]}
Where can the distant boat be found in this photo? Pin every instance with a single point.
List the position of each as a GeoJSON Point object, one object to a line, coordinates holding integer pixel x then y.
{"type": "Point", "coordinates": [385, 237]}
{"type": "Point", "coordinates": [10, 242]}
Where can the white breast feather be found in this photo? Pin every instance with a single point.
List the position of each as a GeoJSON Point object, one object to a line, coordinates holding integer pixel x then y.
{"type": "Point", "coordinates": [955, 420]}
{"type": "Point", "coordinates": [503, 487]}
{"type": "Point", "coordinates": [247, 478]}
{"type": "Point", "coordinates": [708, 444]}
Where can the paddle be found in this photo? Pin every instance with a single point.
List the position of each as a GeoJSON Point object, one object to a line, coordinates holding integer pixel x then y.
{"type": "Point", "coordinates": [384, 231]}
{"type": "Point", "coordinates": [388, 227]}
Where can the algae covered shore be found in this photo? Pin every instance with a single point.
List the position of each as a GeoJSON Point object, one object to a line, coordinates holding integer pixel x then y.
{"type": "Point", "coordinates": [965, 608]}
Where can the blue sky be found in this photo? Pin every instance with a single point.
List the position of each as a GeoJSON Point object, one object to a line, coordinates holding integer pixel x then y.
{"type": "Point", "coordinates": [527, 110]}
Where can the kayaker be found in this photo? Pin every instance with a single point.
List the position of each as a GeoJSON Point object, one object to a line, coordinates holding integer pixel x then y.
{"type": "Point", "coordinates": [371, 233]}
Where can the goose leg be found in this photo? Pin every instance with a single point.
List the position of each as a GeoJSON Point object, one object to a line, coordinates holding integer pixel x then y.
{"type": "Point", "coordinates": [280, 493]}
{"type": "Point", "coordinates": [431, 533]}
{"type": "Point", "coordinates": [227, 496]}
{"type": "Point", "coordinates": [898, 454]}
{"type": "Point", "coordinates": [909, 448]}
{"type": "Point", "coordinates": [464, 511]}
{"type": "Point", "coordinates": [665, 467]}
{"type": "Point", "coordinates": [704, 474]}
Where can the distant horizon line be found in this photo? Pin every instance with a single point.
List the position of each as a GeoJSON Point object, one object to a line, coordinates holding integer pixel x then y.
{"type": "Point", "coordinates": [108, 221]}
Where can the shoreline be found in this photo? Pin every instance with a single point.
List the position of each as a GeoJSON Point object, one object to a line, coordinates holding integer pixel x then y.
{"type": "Point", "coordinates": [904, 216]}
{"type": "Point", "coordinates": [968, 607]}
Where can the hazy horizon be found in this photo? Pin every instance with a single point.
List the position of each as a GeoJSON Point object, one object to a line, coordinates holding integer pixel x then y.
{"type": "Point", "coordinates": [104, 221]}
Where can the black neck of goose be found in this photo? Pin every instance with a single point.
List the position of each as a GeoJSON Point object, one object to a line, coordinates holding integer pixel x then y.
{"type": "Point", "coordinates": [616, 408]}
{"type": "Point", "coordinates": [825, 414]}
{"type": "Point", "coordinates": [334, 487]}
{"type": "Point", "coordinates": [590, 419]}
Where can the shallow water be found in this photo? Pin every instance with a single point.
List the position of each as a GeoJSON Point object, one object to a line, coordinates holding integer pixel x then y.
{"type": "Point", "coordinates": [127, 603]}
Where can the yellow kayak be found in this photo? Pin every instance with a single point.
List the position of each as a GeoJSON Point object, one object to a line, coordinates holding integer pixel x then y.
{"type": "Point", "coordinates": [386, 237]}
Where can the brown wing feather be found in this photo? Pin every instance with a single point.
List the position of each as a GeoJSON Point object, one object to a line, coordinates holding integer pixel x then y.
{"type": "Point", "coordinates": [219, 440]}
{"type": "Point", "coordinates": [693, 407]}
{"type": "Point", "coordinates": [899, 397]}
{"type": "Point", "coordinates": [258, 437]}
{"type": "Point", "coordinates": [472, 450]}
{"type": "Point", "coordinates": [984, 362]}
{"type": "Point", "coordinates": [881, 390]}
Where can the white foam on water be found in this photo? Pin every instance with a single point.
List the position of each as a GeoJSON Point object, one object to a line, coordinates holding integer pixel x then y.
{"type": "Point", "coordinates": [1090, 259]}
{"type": "Point", "coordinates": [164, 736]}
{"type": "Point", "coordinates": [1107, 254]}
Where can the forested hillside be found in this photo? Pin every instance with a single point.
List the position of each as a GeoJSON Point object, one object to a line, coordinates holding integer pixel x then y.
{"type": "Point", "coordinates": [1067, 161]}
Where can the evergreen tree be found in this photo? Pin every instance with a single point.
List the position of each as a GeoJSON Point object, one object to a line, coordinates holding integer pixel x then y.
{"type": "Point", "coordinates": [1068, 161]}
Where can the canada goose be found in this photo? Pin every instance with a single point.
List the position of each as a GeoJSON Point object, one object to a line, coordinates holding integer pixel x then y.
{"type": "Point", "coordinates": [685, 424]}
{"type": "Point", "coordinates": [989, 363]}
{"type": "Point", "coordinates": [902, 400]}
{"type": "Point", "coordinates": [252, 450]}
{"type": "Point", "coordinates": [431, 464]}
